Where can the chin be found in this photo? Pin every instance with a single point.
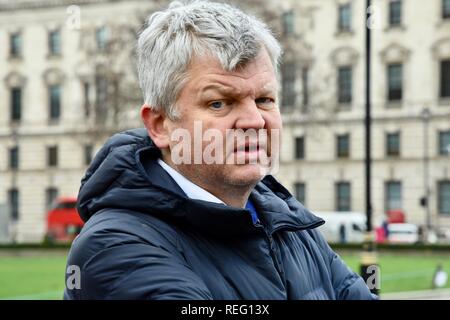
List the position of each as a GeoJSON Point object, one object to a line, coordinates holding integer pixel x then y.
{"type": "Point", "coordinates": [249, 174]}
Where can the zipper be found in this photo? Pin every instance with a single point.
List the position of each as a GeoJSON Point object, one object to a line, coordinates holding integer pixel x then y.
{"type": "Point", "coordinates": [305, 227]}
{"type": "Point", "coordinates": [272, 249]}
{"type": "Point", "coordinates": [273, 252]}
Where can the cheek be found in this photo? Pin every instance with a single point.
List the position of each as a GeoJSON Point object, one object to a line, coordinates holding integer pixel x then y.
{"type": "Point", "coordinates": [179, 132]}
{"type": "Point", "coordinates": [217, 125]}
{"type": "Point", "coordinates": [273, 121]}
{"type": "Point", "coordinates": [274, 128]}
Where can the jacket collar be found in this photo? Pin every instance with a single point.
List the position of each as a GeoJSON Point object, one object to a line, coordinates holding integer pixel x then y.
{"type": "Point", "coordinates": [277, 210]}
{"type": "Point", "coordinates": [125, 175]}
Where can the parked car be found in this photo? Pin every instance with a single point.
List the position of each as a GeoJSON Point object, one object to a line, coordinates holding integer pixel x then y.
{"type": "Point", "coordinates": [63, 221]}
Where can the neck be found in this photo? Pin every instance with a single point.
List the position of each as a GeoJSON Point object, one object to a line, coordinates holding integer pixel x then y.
{"type": "Point", "coordinates": [232, 195]}
{"type": "Point", "coordinates": [238, 198]}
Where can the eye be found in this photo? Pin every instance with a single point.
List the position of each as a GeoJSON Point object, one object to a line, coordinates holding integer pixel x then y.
{"type": "Point", "coordinates": [265, 101]}
{"type": "Point", "coordinates": [216, 105]}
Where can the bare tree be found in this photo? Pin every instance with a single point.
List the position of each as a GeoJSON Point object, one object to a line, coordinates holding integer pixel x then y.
{"type": "Point", "coordinates": [108, 72]}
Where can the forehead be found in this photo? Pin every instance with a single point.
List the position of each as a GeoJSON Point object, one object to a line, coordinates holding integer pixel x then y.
{"type": "Point", "coordinates": [207, 74]}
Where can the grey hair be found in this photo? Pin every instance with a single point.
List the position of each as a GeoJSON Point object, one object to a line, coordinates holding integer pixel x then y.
{"type": "Point", "coordinates": [174, 36]}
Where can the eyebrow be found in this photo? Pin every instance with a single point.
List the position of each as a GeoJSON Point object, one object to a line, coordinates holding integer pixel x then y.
{"type": "Point", "coordinates": [220, 88]}
{"type": "Point", "coordinates": [228, 91]}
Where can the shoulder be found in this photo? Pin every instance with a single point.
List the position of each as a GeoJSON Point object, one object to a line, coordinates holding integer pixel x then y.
{"type": "Point", "coordinates": [124, 255]}
{"type": "Point", "coordinates": [112, 228]}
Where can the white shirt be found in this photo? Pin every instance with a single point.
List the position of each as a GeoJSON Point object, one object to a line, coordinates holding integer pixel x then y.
{"type": "Point", "coordinates": [192, 190]}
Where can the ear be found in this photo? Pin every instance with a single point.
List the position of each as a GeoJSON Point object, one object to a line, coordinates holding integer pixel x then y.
{"type": "Point", "coordinates": [154, 121]}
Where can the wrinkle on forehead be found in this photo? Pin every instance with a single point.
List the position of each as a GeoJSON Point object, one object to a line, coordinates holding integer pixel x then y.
{"type": "Point", "coordinates": [207, 78]}
{"type": "Point", "coordinates": [238, 89]}
{"type": "Point", "coordinates": [257, 77]}
{"type": "Point", "coordinates": [210, 63]}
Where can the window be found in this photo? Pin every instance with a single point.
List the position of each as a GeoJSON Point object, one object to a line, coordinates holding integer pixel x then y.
{"type": "Point", "coordinates": [50, 196]}
{"type": "Point", "coordinates": [300, 192]}
{"type": "Point", "coordinates": [393, 195]}
{"type": "Point", "coordinates": [54, 42]}
{"type": "Point", "coordinates": [288, 84]}
{"type": "Point", "coordinates": [444, 197]}
{"type": "Point", "coordinates": [55, 101]}
{"type": "Point", "coordinates": [88, 151]}
{"type": "Point", "coordinates": [14, 158]}
{"type": "Point", "coordinates": [444, 143]}
{"type": "Point", "coordinates": [393, 144]}
{"type": "Point", "coordinates": [13, 203]}
{"type": "Point", "coordinates": [101, 99]}
{"type": "Point", "coordinates": [101, 92]}
{"type": "Point", "coordinates": [395, 13]}
{"type": "Point", "coordinates": [305, 73]}
{"type": "Point", "coordinates": [445, 79]}
{"type": "Point", "coordinates": [395, 85]}
{"type": "Point", "coordinates": [16, 104]}
{"type": "Point", "coordinates": [344, 20]}
{"type": "Point", "coordinates": [445, 9]}
{"type": "Point", "coordinates": [288, 22]}
{"type": "Point", "coordinates": [299, 148]}
{"type": "Point", "coordinates": [52, 156]}
{"type": "Point", "coordinates": [101, 37]}
{"type": "Point", "coordinates": [87, 103]}
{"type": "Point", "coordinates": [343, 196]}
{"type": "Point", "coordinates": [343, 146]}
{"type": "Point", "coordinates": [345, 84]}
{"type": "Point", "coordinates": [15, 42]}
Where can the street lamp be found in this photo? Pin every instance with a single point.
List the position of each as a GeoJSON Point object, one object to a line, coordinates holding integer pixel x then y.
{"type": "Point", "coordinates": [369, 268]}
{"type": "Point", "coordinates": [425, 115]}
{"type": "Point", "coordinates": [12, 219]}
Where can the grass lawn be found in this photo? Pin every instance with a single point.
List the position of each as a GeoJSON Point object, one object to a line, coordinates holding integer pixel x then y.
{"type": "Point", "coordinates": [32, 277]}
{"type": "Point", "coordinates": [42, 277]}
{"type": "Point", "coordinates": [405, 272]}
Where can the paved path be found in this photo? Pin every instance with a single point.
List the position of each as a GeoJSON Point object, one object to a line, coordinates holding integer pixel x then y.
{"type": "Point", "coordinates": [438, 294]}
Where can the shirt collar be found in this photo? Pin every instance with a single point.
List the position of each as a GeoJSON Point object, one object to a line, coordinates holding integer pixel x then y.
{"type": "Point", "coordinates": [192, 190]}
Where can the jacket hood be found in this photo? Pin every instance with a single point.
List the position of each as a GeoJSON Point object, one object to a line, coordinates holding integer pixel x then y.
{"type": "Point", "coordinates": [117, 179]}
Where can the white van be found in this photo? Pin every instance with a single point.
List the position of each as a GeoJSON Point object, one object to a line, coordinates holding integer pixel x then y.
{"type": "Point", "coordinates": [403, 233]}
{"type": "Point", "coordinates": [342, 227]}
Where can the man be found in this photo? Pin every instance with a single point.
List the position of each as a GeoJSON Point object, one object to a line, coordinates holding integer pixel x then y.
{"type": "Point", "coordinates": [169, 216]}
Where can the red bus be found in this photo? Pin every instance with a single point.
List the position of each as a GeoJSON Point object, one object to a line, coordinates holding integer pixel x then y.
{"type": "Point", "coordinates": [63, 221]}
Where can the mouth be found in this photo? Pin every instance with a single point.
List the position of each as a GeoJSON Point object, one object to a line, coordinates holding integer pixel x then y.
{"type": "Point", "coordinates": [250, 153]}
{"type": "Point", "coordinates": [248, 148]}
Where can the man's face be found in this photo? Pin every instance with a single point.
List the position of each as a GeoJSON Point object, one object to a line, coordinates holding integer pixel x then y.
{"type": "Point", "coordinates": [212, 98]}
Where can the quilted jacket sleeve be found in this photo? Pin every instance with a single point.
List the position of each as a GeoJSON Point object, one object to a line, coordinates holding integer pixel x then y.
{"type": "Point", "coordinates": [115, 264]}
{"type": "Point", "coordinates": [347, 284]}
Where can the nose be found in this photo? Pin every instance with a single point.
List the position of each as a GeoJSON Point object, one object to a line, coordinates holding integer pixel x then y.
{"type": "Point", "coordinates": [250, 116]}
